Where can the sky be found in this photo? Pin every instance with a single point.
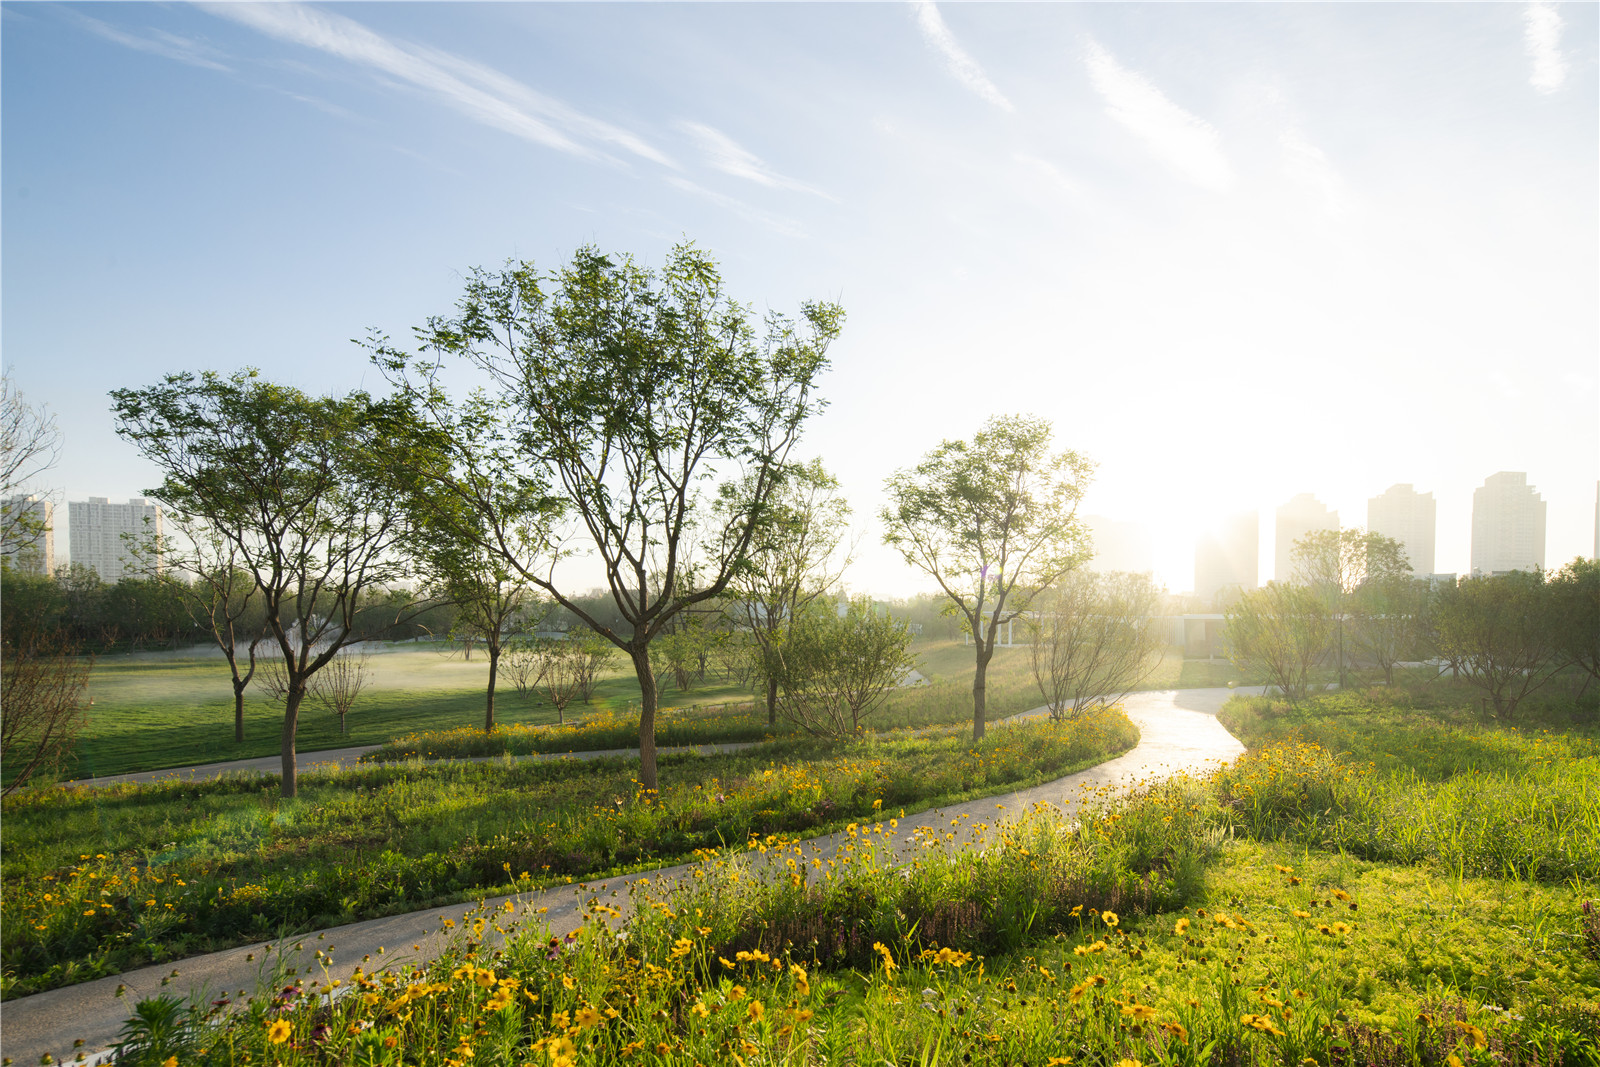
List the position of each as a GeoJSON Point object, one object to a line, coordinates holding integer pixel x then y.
{"type": "Point", "coordinates": [1234, 253]}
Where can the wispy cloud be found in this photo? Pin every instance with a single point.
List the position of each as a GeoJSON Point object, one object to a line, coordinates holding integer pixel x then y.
{"type": "Point", "coordinates": [1184, 142]}
{"type": "Point", "coordinates": [1047, 175]}
{"type": "Point", "coordinates": [1308, 165]}
{"type": "Point", "coordinates": [728, 156]}
{"type": "Point", "coordinates": [963, 66]}
{"type": "Point", "coordinates": [160, 43]}
{"type": "Point", "coordinates": [1541, 35]}
{"type": "Point", "coordinates": [777, 223]}
{"type": "Point", "coordinates": [479, 92]}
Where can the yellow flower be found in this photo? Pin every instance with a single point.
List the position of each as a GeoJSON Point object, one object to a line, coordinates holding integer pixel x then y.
{"type": "Point", "coordinates": [736, 993]}
{"type": "Point", "coordinates": [586, 1017]}
{"type": "Point", "coordinates": [1109, 918]}
{"type": "Point", "coordinates": [756, 1011]}
{"type": "Point", "coordinates": [170, 1061]}
{"type": "Point", "coordinates": [1129, 1063]}
{"type": "Point", "coordinates": [278, 1031]}
{"type": "Point", "coordinates": [1058, 1061]}
{"type": "Point", "coordinates": [701, 1010]}
{"type": "Point", "coordinates": [1139, 1013]}
{"type": "Point", "coordinates": [567, 982]}
{"type": "Point", "coordinates": [1183, 925]}
{"type": "Point", "coordinates": [802, 982]}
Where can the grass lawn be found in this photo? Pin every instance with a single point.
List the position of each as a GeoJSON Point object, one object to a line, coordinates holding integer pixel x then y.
{"type": "Point", "coordinates": [1202, 921]}
{"type": "Point", "coordinates": [156, 710]}
{"type": "Point", "coordinates": [100, 881]}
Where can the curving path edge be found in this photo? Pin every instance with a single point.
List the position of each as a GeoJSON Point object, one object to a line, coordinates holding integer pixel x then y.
{"type": "Point", "coordinates": [1178, 732]}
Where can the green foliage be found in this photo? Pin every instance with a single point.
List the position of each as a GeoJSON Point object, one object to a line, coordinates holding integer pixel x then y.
{"type": "Point", "coordinates": [99, 881]}
{"type": "Point", "coordinates": [833, 671]}
{"type": "Point", "coordinates": [1503, 633]}
{"type": "Point", "coordinates": [994, 522]}
{"type": "Point", "coordinates": [1095, 639]}
{"type": "Point", "coordinates": [1281, 631]}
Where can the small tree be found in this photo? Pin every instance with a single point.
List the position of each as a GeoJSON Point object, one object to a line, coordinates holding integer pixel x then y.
{"type": "Point", "coordinates": [994, 522]}
{"type": "Point", "coordinates": [521, 665]}
{"type": "Point", "coordinates": [595, 656]}
{"type": "Point", "coordinates": [1575, 590]}
{"type": "Point", "coordinates": [560, 672]}
{"type": "Point", "coordinates": [340, 681]}
{"type": "Point", "coordinates": [1502, 630]}
{"type": "Point", "coordinates": [1389, 621]}
{"type": "Point", "coordinates": [1094, 639]}
{"type": "Point", "coordinates": [1337, 564]}
{"type": "Point", "coordinates": [835, 670]}
{"type": "Point", "coordinates": [1283, 631]}
{"type": "Point", "coordinates": [793, 560]}
{"type": "Point", "coordinates": [42, 684]}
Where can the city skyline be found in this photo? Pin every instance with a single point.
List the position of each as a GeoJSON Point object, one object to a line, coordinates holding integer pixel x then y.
{"type": "Point", "coordinates": [1330, 246]}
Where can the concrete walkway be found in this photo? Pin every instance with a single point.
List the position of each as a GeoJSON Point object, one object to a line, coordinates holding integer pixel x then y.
{"type": "Point", "coordinates": [1179, 732]}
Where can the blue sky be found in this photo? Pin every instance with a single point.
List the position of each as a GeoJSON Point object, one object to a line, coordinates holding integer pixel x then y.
{"type": "Point", "coordinates": [1234, 252]}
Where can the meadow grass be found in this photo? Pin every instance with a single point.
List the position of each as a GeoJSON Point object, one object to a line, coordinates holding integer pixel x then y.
{"type": "Point", "coordinates": [99, 881]}
{"type": "Point", "coordinates": [1262, 953]}
{"type": "Point", "coordinates": [153, 711]}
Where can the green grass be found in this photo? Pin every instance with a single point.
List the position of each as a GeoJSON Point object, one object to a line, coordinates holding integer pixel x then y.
{"type": "Point", "coordinates": [99, 881]}
{"type": "Point", "coordinates": [152, 712]}
{"type": "Point", "coordinates": [1197, 922]}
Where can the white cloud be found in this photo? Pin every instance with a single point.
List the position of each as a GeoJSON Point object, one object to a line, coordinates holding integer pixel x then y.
{"type": "Point", "coordinates": [1541, 34]}
{"type": "Point", "coordinates": [481, 93]}
{"type": "Point", "coordinates": [1048, 175]}
{"type": "Point", "coordinates": [963, 66]}
{"type": "Point", "coordinates": [1308, 165]}
{"type": "Point", "coordinates": [160, 43]}
{"type": "Point", "coordinates": [1184, 142]}
{"type": "Point", "coordinates": [726, 155]}
{"type": "Point", "coordinates": [777, 223]}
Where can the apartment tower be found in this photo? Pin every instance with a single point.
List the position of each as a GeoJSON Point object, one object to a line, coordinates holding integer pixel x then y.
{"type": "Point", "coordinates": [95, 527]}
{"type": "Point", "coordinates": [1298, 517]}
{"type": "Point", "coordinates": [1507, 524]}
{"type": "Point", "coordinates": [1409, 517]}
{"type": "Point", "coordinates": [1229, 556]}
{"type": "Point", "coordinates": [35, 555]}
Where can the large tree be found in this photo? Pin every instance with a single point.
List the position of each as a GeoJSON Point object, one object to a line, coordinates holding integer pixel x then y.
{"type": "Point", "coordinates": [793, 559]}
{"type": "Point", "coordinates": [306, 491]}
{"type": "Point", "coordinates": [993, 521]}
{"type": "Point", "coordinates": [624, 392]}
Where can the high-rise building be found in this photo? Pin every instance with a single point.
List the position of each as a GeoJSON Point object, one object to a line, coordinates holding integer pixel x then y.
{"type": "Point", "coordinates": [37, 554]}
{"type": "Point", "coordinates": [95, 527]}
{"type": "Point", "coordinates": [1229, 556]}
{"type": "Point", "coordinates": [1296, 518]}
{"type": "Point", "coordinates": [1409, 517]}
{"type": "Point", "coordinates": [1507, 524]}
{"type": "Point", "coordinates": [1119, 546]}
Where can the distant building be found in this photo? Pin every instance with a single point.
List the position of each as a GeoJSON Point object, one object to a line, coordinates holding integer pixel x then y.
{"type": "Point", "coordinates": [1507, 524]}
{"type": "Point", "coordinates": [1596, 521]}
{"type": "Point", "coordinates": [96, 526]}
{"type": "Point", "coordinates": [1300, 516]}
{"type": "Point", "coordinates": [1409, 517]}
{"type": "Point", "coordinates": [37, 555]}
{"type": "Point", "coordinates": [1228, 557]}
{"type": "Point", "coordinates": [1119, 546]}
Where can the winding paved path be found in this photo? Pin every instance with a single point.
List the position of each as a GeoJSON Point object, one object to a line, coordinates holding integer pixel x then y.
{"type": "Point", "coordinates": [1179, 732]}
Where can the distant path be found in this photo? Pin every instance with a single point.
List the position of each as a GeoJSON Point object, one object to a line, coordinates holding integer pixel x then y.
{"type": "Point", "coordinates": [343, 758]}
{"type": "Point", "coordinates": [1178, 732]}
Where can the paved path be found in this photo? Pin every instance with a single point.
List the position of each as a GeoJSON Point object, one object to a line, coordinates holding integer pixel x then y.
{"type": "Point", "coordinates": [1179, 732]}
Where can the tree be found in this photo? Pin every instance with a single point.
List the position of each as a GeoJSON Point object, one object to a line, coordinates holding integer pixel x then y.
{"type": "Point", "coordinates": [1575, 592]}
{"type": "Point", "coordinates": [42, 683]}
{"type": "Point", "coordinates": [1501, 628]}
{"type": "Point", "coordinates": [307, 491]}
{"type": "Point", "coordinates": [1283, 630]}
{"type": "Point", "coordinates": [835, 669]}
{"type": "Point", "coordinates": [994, 522]}
{"type": "Point", "coordinates": [219, 595]}
{"type": "Point", "coordinates": [340, 681]}
{"type": "Point", "coordinates": [559, 672]}
{"type": "Point", "coordinates": [1336, 564]}
{"type": "Point", "coordinates": [30, 444]}
{"type": "Point", "coordinates": [1390, 618]}
{"type": "Point", "coordinates": [1094, 638]}
{"type": "Point", "coordinates": [793, 559]}
{"type": "Point", "coordinates": [628, 391]}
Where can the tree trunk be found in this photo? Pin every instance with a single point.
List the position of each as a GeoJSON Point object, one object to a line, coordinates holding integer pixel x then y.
{"type": "Point", "coordinates": [494, 670]}
{"type": "Point", "coordinates": [647, 716]}
{"type": "Point", "coordinates": [239, 686]}
{"type": "Point", "coordinates": [291, 717]}
{"type": "Point", "coordinates": [772, 702]}
{"type": "Point", "coordinates": [980, 687]}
